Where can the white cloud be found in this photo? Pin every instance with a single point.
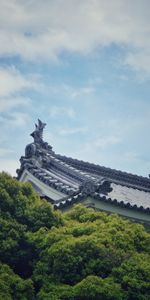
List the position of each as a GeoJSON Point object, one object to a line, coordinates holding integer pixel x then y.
{"type": "Point", "coordinates": [7, 104]}
{"type": "Point", "coordinates": [103, 142]}
{"type": "Point", "coordinates": [12, 84]}
{"type": "Point", "coordinates": [72, 131]}
{"type": "Point", "coordinates": [59, 111]}
{"type": "Point", "coordinates": [12, 81]}
{"type": "Point", "coordinates": [9, 166]}
{"type": "Point", "coordinates": [5, 151]}
{"type": "Point", "coordinates": [72, 91]}
{"type": "Point", "coordinates": [14, 119]}
{"type": "Point", "coordinates": [75, 93]}
{"type": "Point", "coordinates": [140, 61]}
{"type": "Point", "coordinates": [41, 30]}
{"type": "Point", "coordinates": [100, 143]}
{"type": "Point", "coordinates": [98, 150]}
{"type": "Point", "coordinates": [19, 119]}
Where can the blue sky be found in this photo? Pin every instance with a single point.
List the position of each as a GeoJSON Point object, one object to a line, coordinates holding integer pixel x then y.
{"type": "Point", "coordinates": [83, 67]}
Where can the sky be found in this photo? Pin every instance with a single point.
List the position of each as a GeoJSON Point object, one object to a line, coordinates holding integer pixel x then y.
{"type": "Point", "coordinates": [82, 67]}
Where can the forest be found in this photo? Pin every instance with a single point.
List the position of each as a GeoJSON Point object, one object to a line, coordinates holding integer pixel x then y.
{"type": "Point", "coordinates": [78, 255]}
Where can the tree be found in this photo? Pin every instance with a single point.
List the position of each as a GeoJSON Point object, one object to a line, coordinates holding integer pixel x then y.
{"type": "Point", "coordinates": [93, 287]}
{"type": "Point", "coordinates": [134, 276]}
{"type": "Point", "coordinates": [12, 287]}
{"type": "Point", "coordinates": [81, 254]}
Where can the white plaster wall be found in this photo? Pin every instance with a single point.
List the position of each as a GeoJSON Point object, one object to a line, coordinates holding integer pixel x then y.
{"type": "Point", "coordinates": [45, 190]}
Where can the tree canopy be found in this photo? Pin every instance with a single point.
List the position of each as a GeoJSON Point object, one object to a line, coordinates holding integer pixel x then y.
{"type": "Point", "coordinates": [78, 255]}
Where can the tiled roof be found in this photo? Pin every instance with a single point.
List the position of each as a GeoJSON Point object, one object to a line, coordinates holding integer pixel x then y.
{"type": "Point", "coordinates": [77, 179]}
{"type": "Point", "coordinates": [130, 195]}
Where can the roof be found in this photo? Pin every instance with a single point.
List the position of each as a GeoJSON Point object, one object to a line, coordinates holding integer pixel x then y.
{"type": "Point", "coordinates": [66, 180]}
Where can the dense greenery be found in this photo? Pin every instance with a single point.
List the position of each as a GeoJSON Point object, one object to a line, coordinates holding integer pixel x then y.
{"type": "Point", "coordinates": [79, 255]}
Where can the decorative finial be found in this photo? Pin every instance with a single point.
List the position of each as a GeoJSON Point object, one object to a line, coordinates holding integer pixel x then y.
{"type": "Point", "coordinates": [37, 134]}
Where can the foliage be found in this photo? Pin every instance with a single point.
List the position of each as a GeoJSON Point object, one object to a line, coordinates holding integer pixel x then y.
{"type": "Point", "coordinates": [81, 254]}
{"type": "Point", "coordinates": [14, 287]}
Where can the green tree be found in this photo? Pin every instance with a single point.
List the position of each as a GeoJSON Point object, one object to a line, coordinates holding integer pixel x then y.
{"type": "Point", "coordinates": [81, 254]}
{"type": "Point", "coordinates": [21, 202]}
{"type": "Point", "coordinates": [12, 287]}
{"type": "Point", "coordinates": [96, 288]}
{"type": "Point", "coordinates": [134, 276]}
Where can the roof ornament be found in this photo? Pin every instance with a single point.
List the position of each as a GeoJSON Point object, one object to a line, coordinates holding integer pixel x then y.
{"type": "Point", "coordinates": [37, 134]}
{"type": "Point", "coordinates": [88, 187]}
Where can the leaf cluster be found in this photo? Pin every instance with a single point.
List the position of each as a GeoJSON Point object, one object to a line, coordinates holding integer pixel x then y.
{"type": "Point", "coordinates": [78, 255]}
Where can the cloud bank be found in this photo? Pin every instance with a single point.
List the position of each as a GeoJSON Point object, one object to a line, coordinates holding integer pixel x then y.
{"type": "Point", "coordinates": [41, 30]}
{"type": "Point", "coordinates": [70, 63]}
